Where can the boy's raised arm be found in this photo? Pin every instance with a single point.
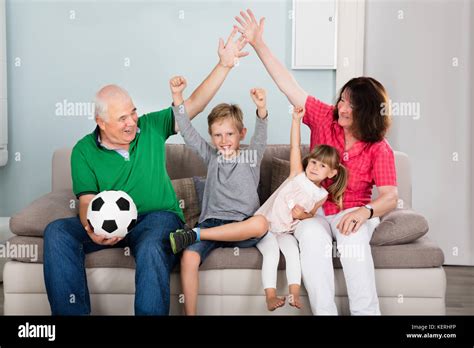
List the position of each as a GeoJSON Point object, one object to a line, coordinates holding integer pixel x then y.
{"type": "Point", "coordinates": [258, 141]}
{"type": "Point", "coordinates": [190, 135]}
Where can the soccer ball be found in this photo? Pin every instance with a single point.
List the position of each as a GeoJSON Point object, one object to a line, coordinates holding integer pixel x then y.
{"type": "Point", "coordinates": [112, 214]}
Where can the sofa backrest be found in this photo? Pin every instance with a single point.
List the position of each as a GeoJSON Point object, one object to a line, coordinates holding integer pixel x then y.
{"type": "Point", "coordinates": [182, 162]}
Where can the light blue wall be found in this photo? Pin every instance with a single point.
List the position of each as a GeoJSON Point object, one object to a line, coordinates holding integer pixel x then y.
{"type": "Point", "coordinates": [69, 59]}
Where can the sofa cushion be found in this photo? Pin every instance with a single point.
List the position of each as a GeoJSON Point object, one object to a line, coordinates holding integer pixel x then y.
{"type": "Point", "coordinates": [199, 185]}
{"type": "Point", "coordinates": [280, 172]}
{"type": "Point", "coordinates": [33, 220]}
{"type": "Point", "coordinates": [400, 226]}
{"type": "Point", "coordinates": [188, 199]}
{"type": "Point", "coordinates": [422, 253]}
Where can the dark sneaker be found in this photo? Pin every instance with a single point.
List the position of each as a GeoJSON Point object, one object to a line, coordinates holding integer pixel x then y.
{"type": "Point", "coordinates": [181, 239]}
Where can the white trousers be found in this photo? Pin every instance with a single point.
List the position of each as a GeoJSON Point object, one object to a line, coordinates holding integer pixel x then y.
{"type": "Point", "coordinates": [315, 237]}
{"type": "Point", "coordinates": [270, 247]}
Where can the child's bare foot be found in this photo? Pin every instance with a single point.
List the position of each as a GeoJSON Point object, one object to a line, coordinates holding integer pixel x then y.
{"type": "Point", "coordinates": [294, 300]}
{"type": "Point", "coordinates": [294, 297]}
{"type": "Point", "coordinates": [275, 302]}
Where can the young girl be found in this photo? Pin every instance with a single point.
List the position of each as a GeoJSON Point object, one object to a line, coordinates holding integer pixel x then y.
{"type": "Point", "coordinates": [298, 198]}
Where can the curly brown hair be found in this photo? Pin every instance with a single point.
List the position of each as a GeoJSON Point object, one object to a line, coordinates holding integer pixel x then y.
{"type": "Point", "coordinates": [369, 101]}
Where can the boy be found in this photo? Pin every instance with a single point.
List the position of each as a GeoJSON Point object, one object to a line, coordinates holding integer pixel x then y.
{"type": "Point", "coordinates": [230, 192]}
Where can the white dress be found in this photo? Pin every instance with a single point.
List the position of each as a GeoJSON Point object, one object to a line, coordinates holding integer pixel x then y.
{"type": "Point", "coordinates": [298, 190]}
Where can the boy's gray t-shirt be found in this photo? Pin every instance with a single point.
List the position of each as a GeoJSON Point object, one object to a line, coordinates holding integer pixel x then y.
{"type": "Point", "coordinates": [231, 186]}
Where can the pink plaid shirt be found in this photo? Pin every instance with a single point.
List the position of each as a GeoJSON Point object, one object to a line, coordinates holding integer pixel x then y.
{"type": "Point", "coordinates": [366, 163]}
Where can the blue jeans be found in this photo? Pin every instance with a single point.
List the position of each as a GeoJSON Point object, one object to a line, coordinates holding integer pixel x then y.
{"type": "Point", "coordinates": [204, 247]}
{"type": "Point", "coordinates": [66, 243]}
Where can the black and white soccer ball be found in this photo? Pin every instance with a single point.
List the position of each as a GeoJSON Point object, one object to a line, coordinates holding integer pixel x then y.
{"type": "Point", "coordinates": [112, 214]}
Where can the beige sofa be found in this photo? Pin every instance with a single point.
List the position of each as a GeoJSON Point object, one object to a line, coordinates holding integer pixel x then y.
{"type": "Point", "coordinates": [409, 277]}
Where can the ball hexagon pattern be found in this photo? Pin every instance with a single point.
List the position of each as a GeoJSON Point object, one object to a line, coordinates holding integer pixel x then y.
{"type": "Point", "coordinates": [112, 214]}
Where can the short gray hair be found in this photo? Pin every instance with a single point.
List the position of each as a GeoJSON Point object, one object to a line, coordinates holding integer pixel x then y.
{"type": "Point", "coordinates": [100, 103]}
{"type": "Point", "coordinates": [100, 109]}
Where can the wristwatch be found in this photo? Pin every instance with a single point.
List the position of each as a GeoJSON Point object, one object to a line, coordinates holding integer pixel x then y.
{"type": "Point", "coordinates": [371, 210]}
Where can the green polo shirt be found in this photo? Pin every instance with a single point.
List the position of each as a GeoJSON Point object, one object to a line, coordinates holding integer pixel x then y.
{"type": "Point", "coordinates": [142, 175]}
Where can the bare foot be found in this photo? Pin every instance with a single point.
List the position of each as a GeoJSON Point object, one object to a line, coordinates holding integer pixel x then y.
{"type": "Point", "coordinates": [275, 302]}
{"type": "Point", "coordinates": [294, 300]}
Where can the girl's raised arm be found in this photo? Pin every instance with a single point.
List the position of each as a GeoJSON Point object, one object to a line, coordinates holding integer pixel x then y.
{"type": "Point", "coordinates": [296, 166]}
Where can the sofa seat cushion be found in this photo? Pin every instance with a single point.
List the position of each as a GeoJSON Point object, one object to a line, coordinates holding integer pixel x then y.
{"type": "Point", "coordinates": [423, 253]}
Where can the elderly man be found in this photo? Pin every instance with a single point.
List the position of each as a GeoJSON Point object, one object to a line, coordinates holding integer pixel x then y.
{"type": "Point", "coordinates": [126, 153]}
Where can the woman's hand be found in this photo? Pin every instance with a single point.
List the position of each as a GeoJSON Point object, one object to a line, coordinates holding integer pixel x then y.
{"type": "Point", "coordinates": [351, 222]}
{"type": "Point", "coordinates": [250, 29]}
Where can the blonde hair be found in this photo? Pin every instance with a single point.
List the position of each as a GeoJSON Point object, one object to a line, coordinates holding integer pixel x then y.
{"type": "Point", "coordinates": [223, 111]}
{"type": "Point", "coordinates": [329, 156]}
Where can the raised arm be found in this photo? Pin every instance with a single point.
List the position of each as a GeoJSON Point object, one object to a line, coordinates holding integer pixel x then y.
{"type": "Point", "coordinates": [229, 54]}
{"type": "Point", "coordinates": [252, 31]}
{"type": "Point", "coordinates": [188, 132]}
{"type": "Point", "coordinates": [258, 141]}
{"type": "Point", "coordinates": [296, 166]}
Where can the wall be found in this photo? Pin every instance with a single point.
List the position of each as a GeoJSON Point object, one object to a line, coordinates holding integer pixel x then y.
{"type": "Point", "coordinates": [60, 50]}
{"type": "Point", "coordinates": [471, 87]}
{"type": "Point", "coordinates": [420, 51]}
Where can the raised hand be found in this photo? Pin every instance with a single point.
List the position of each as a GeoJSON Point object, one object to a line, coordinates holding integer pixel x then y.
{"type": "Point", "coordinates": [231, 51]}
{"type": "Point", "coordinates": [298, 113]}
{"type": "Point", "coordinates": [259, 97]}
{"type": "Point", "coordinates": [177, 84]}
{"type": "Point", "coordinates": [249, 28]}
